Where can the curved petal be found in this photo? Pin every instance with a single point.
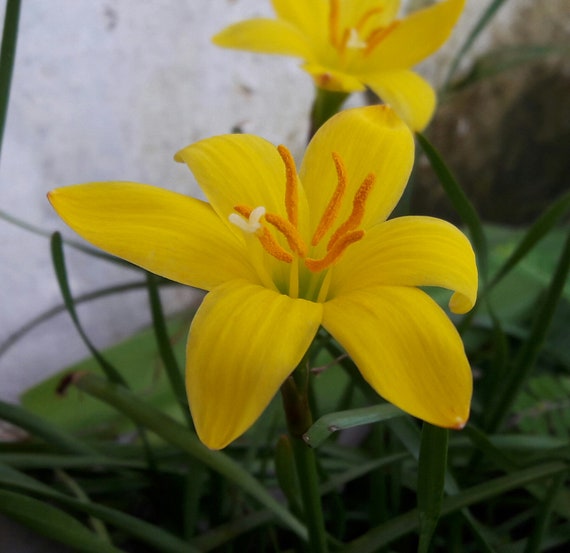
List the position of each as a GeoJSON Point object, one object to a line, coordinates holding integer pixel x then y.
{"type": "Point", "coordinates": [244, 342]}
{"type": "Point", "coordinates": [368, 140]}
{"type": "Point", "coordinates": [169, 234]}
{"type": "Point", "coordinates": [406, 349]}
{"type": "Point", "coordinates": [415, 37]}
{"type": "Point", "coordinates": [238, 169]}
{"type": "Point", "coordinates": [411, 251]}
{"type": "Point", "coordinates": [269, 36]}
{"type": "Point", "coordinates": [311, 18]}
{"type": "Point", "coordinates": [412, 97]}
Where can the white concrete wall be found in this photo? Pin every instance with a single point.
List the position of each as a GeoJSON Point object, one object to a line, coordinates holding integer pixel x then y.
{"type": "Point", "coordinates": [107, 89]}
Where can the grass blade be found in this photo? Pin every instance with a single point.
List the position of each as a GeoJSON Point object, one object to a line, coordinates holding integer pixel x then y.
{"type": "Point", "coordinates": [460, 202]}
{"type": "Point", "coordinates": [431, 479]}
{"type": "Point", "coordinates": [165, 348]}
{"type": "Point", "coordinates": [328, 424]}
{"type": "Point", "coordinates": [52, 523]}
{"type": "Point", "coordinates": [179, 436]}
{"type": "Point", "coordinates": [7, 55]}
{"type": "Point", "coordinates": [58, 260]}
{"type": "Point", "coordinates": [531, 347]}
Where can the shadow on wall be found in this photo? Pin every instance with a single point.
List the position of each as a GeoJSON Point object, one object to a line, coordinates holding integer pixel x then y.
{"type": "Point", "coordinates": [506, 140]}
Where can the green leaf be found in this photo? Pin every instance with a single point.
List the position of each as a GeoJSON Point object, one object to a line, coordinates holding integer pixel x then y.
{"type": "Point", "coordinates": [431, 479]}
{"type": "Point", "coordinates": [172, 432]}
{"type": "Point", "coordinates": [479, 26]}
{"type": "Point", "coordinates": [7, 55]}
{"type": "Point", "coordinates": [531, 347]}
{"type": "Point", "coordinates": [460, 202]}
{"type": "Point", "coordinates": [58, 260]}
{"type": "Point", "coordinates": [333, 422]}
{"type": "Point", "coordinates": [52, 523]}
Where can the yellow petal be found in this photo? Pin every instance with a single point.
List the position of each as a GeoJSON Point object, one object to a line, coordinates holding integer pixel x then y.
{"type": "Point", "coordinates": [244, 342]}
{"type": "Point", "coordinates": [411, 97]}
{"type": "Point", "coordinates": [238, 169]}
{"type": "Point", "coordinates": [269, 36]}
{"type": "Point", "coordinates": [332, 79]}
{"type": "Point", "coordinates": [169, 234]}
{"type": "Point", "coordinates": [406, 349]}
{"type": "Point", "coordinates": [415, 38]}
{"type": "Point", "coordinates": [369, 140]}
{"type": "Point", "coordinates": [376, 13]}
{"type": "Point", "coordinates": [311, 18]}
{"type": "Point", "coordinates": [411, 251]}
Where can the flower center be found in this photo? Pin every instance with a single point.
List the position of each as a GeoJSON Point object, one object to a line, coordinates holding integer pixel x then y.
{"type": "Point", "coordinates": [357, 36]}
{"type": "Point", "coordinates": [265, 226]}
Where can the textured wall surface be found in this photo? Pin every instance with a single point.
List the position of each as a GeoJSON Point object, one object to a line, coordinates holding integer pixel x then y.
{"type": "Point", "coordinates": [110, 90]}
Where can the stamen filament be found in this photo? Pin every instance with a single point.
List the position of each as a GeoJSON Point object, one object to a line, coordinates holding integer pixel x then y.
{"type": "Point", "coordinates": [357, 213]}
{"type": "Point", "coordinates": [334, 253]}
{"type": "Point", "coordinates": [294, 279]}
{"type": "Point", "coordinates": [333, 207]}
{"type": "Point", "coordinates": [366, 16]}
{"type": "Point", "coordinates": [324, 289]}
{"type": "Point", "coordinates": [291, 189]}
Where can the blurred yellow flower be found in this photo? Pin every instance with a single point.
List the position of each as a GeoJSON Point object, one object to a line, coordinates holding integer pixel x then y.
{"type": "Point", "coordinates": [349, 44]}
{"type": "Point", "coordinates": [282, 252]}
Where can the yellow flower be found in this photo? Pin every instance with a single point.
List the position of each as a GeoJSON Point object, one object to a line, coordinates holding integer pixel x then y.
{"type": "Point", "coordinates": [349, 44]}
{"type": "Point", "coordinates": [282, 252]}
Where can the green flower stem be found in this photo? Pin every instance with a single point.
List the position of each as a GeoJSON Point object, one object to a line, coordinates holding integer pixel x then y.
{"type": "Point", "coordinates": [299, 419]}
{"type": "Point", "coordinates": [325, 105]}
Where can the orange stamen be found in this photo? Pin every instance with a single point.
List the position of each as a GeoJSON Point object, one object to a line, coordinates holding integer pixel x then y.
{"type": "Point", "coordinates": [378, 35]}
{"type": "Point", "coordinates": [357, 213]}
{"type": "Point", "coordinates": [272, 247]}
{"type": "Point", "coordinates": [334, 253]}
{"type": "Point", "coordinates": [289, 231]}
{"type": "Point", "coordinates": [243, 210]}
{"type": "Point", "coordinates": [334, 21]}
{"type": "Point", "coordinates": [333, 207]}
{"type": "Point", "coordinates": [366, 16]}
{"type": "Point", "coordinates": [291, 191]}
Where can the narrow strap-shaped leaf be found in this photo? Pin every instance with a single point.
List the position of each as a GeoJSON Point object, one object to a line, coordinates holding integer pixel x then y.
{"type": "Point", "coordinates": [341, 420]}
{"type": "Point", "coordinates": [40, 428]}
{"type": "Point", "coordinates": [541, 522]}
{"type": "Point", "coordinates": [399, 526]}
{"type": "Point", "coordinates": [431, 479]}
{"type": "Point", "coordinates": [144, 531]}
{"type": "Point", "coordinates": [165, 349]}
{"type": "Point", "coordinates": [7, 55]}
{"type": "Point", "coordinates": [539, 229]}
{"type": "Point", "coordinates": [58, 260]}
{"type": "Point", "coordinates": [182, 438]}
{"type": "Point", "coordinates": [52, 523]}
{"type": "Point", "coordinates": [531, 347]}
{"type": "Point", "coordinates": [459, 200]}
{"type": "Point", "coordinates": [483, 21]}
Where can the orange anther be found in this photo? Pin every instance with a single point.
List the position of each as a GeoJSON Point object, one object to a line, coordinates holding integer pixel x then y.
{"type": "Point", "coordinates": [357, 213]}
{"type": "Point", "coordinates": [366, 16]}
{"type": "Point", "coordinates": [291, 190]}
{"type": "Point", "coordinates": [290, 232]}
{"type": "Point", "coordinates": [334, 253]}
{"type": "Point", "coordinates": [334, 22]}
{"type": "Point", "coordinates": [333, 207]}
{"type": "Point", "coordinates": [243, 210]}
{"type": "Point", "coordinates": [272, 247]}
{"type": "Point", "coordinates": [378, 35]}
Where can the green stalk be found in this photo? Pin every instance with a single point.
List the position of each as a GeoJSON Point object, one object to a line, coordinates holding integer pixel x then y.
{"type": "Point", "coordinates": [325, 105]}
{"type": "Point", "coordinates": [299, 419]}
{"type": "Point", "coordinates": [7, 54]}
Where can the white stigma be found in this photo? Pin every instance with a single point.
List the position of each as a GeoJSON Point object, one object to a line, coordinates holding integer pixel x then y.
{"type": "Point", "coordinates": [354, 40]}
{"type": "Point", "coordinates": [250, 225]}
